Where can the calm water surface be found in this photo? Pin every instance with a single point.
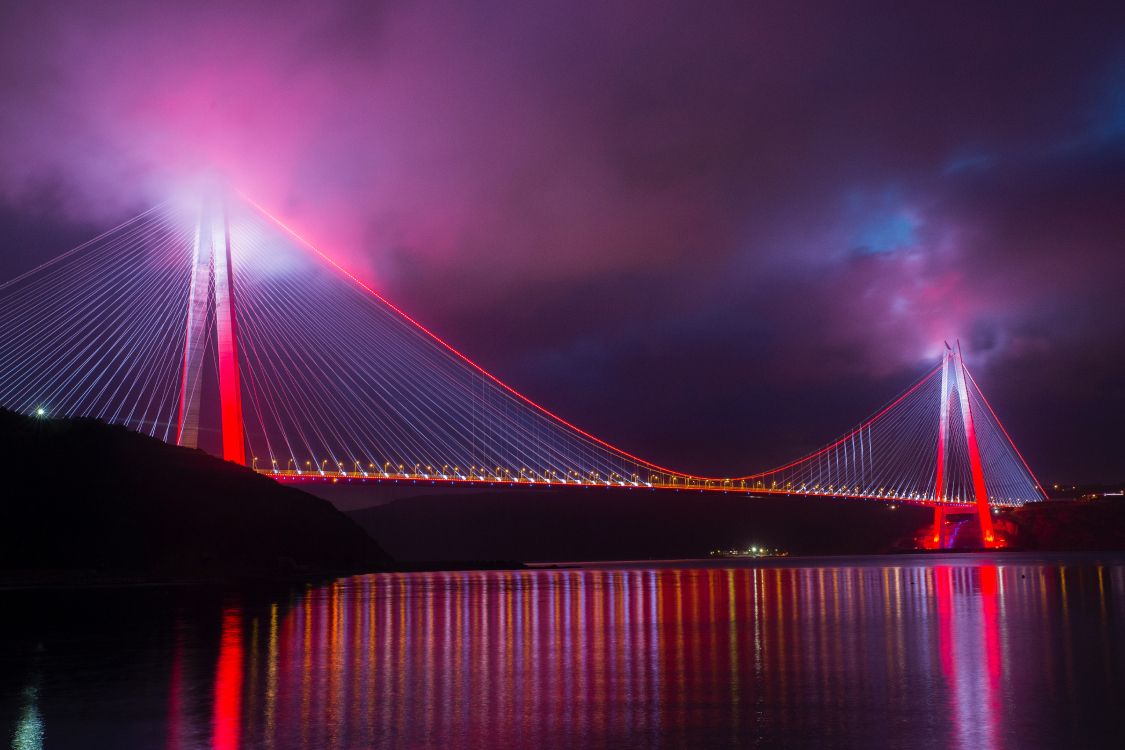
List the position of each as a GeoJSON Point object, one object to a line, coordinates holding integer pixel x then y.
{"type": "Point", "coordinates": [1007, 651]}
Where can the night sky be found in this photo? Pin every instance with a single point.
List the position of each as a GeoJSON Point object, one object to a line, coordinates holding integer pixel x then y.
{"type": "Point", "coordinates": [715, 234]}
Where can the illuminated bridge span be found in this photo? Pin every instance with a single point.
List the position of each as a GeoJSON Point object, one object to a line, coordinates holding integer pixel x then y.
{"type": "Point", "coordinates": [188, 322]}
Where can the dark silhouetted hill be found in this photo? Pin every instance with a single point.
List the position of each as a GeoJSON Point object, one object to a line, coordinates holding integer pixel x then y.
{"type": "Point", "coordinates": [566, 524]}
{"type": "Point", "coordinates": [81, 495]}
{"type": "Point", "coordinates": [1086, 525]}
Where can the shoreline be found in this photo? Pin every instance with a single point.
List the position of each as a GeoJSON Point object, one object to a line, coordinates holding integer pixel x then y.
{"type": "Point", "coordinates": [68, 580]}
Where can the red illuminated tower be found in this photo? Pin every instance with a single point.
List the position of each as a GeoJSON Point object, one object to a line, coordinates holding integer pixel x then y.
{"type": "Point", "coordinates": [953, 379]}
{"type": "Point", "coordinates": [211, 260]}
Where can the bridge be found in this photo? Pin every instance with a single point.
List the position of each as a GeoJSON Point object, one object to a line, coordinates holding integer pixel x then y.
{"type": "Point", "coordinates": [215, 320]}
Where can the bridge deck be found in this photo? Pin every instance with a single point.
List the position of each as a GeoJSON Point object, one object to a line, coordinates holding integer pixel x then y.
{"type": "Point", "coordinates": [738, 486]}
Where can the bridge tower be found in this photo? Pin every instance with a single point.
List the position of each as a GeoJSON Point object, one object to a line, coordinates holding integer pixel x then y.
{"type": "Point", "coordinates": [212, 283]}
{"type": "Point", "coordinates": [953, 380]}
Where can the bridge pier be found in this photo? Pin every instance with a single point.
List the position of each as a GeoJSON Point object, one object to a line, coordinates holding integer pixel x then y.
{"type": "Point", "coordinates": [939, 527]}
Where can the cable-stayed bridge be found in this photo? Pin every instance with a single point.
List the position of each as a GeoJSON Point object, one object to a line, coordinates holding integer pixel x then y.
{"type": "Point", "coordinates": [189, 322]}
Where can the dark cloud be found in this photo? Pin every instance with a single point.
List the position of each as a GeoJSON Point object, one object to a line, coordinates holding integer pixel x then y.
{"type": "Point", "coordinates": [717, 235]}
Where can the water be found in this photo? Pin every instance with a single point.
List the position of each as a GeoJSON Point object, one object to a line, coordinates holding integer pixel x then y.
{"type": "Point", "coordinates": [953, 652]}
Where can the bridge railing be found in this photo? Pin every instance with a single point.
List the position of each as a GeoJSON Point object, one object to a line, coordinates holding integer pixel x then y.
{"type": "Point", "coordinates": [402, 473]}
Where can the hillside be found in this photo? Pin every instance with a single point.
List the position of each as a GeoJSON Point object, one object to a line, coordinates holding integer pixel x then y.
{"type": "Point", "coordinates": [81, 495]}
{"type": "Point", "coordinates": [1068, 525]}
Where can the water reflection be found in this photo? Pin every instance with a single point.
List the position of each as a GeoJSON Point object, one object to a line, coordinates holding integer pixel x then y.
{"type": "Point", "coordinates": [961, 655]}
{"type": "Point", "coordinates": [29, 728]}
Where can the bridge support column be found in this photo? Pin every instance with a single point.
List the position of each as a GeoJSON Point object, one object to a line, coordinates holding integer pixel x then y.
{"type": "Point", "coordinates": [939, 527]}
{"type": "Point", "coordinates": [939, 473]}
{"type": "Point", "coordinates": [191, 377]}
{"type": "Point", "coordinates": [230, 391]}
{"type": "Point", "coordinates": [212, 260]}
{"type": "Point", "coordinates": [984, 510]}
{"type": "Point", "coordinates": [953, 377]}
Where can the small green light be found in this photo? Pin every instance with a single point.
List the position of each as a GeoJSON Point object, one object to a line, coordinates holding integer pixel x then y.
{"type": "Point", "coordinates": [40, 412]}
